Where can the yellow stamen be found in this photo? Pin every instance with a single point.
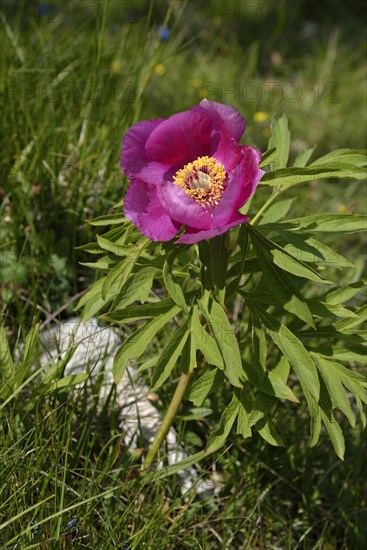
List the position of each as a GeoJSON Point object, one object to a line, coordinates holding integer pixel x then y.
{"type": "Point", "coordinates": [202, 180]}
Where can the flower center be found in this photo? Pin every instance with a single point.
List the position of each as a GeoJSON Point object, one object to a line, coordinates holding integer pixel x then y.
{"type": "Point", "coordinates": [202, 180]}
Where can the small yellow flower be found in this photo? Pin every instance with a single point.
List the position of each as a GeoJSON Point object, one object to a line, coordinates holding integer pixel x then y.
{"type": "Point", "coordinates": [196, 82]}
{"type": "Point", "coordinates": [115, 66]}
{"type": "Point", "coordinates": [159, 69]}
{"type": "Point", "coordinates": [343, 209]}
{"type": "Point", "coordinates": [261, 116]}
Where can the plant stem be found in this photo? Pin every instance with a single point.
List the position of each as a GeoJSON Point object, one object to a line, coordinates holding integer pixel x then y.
{"type": "Point", "coordinates": [168, 419]}
{"type": "Point", "coordinates": [265, 206]}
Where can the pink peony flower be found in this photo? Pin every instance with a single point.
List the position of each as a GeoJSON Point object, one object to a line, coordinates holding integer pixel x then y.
{"type": "Point", "coordinates": [189, 172]}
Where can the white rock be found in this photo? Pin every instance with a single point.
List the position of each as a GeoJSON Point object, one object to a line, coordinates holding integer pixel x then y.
{"type": "Point", "coordinates": [95, 348]}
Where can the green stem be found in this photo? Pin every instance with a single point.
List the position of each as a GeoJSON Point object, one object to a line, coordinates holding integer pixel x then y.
{"type": "Point", "coordinates": [270, 201]}
{"type": "Point", "coordinates": [168, 419]}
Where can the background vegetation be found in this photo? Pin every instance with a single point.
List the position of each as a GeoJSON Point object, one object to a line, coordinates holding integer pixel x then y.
{"type": "Point", "coordinates": [74, 77]}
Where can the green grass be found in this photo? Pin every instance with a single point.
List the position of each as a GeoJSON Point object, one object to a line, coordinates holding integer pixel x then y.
{"type": "Point", "coordinates": [62, 457]}
{"type": "Point", "coordinates": [72, 82]}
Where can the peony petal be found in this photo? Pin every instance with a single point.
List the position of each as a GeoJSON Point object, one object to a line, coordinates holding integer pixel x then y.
{"type": "Point", "coordinates": [242, 182]}
{"type": "Point", "coordinates": [223, 146]}
{"type": "Point", "coordinates": [134, 160]}
{"type": "Point", "coordinates": [252, 174]}
{"type": "Point", "coordinates": [181, 207]}
{"type": "Point", "coordinates": [181, 138]}
{"type": "Point", "coordinates": [232, 119]}
{"type": "Point", "coordinates": [142, 207]}
{"type": "Point", "coordinates": [190, 237]}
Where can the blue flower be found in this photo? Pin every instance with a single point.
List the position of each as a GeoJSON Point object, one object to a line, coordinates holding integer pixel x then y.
{"type": "Point", "coordinates": [43, 9]}
{"type": "Point", "coordinates": [164, 33]}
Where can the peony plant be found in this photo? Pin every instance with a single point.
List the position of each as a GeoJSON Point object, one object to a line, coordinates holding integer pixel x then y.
{"type": "Point", "coordinates": [225, 298]}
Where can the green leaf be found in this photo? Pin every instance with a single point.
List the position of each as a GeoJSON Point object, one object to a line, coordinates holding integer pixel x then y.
{"type": "Point", "coordinates": [342, 295]}
{"type": "Point", "coordinates": [68, 382]}
{"type": "Point", "coordinates": [210, 381]}
{"type": "Point", "coordinates": [280, 139]}
{"type": "Point", "coordinates": [243, 419]}
{"type": "Point", "coordinates": [333, 382]}
{"type": "Point", "coordinates": [347, 324]}
{"type": "Point", "coordinates": [116, 279]}
{"type": "Point", "coordinates": [7, 369]}
{"type": "Point", "coordinates": [243, 424]}
{"type": "Point", "coordinates": [145, 365]}
{"type": "Point", "coordinates": [266, 381]}
{"type": "Point", "coordinates": [109, 219]}
{"type": "Point", "coordinates": [287, 177]}
{"type": "Point", "coordinates": [92, 301]}
{"type": "Point", "coordinates": [118, 275]}
{"type": "Point", "coordinates": [294, 351]}
{"type": "Point", "coordinates": [315, 414]}
{"type": "Point", "coordinates": [137, 288]}
{"type": "Point", "coordinates": [356, 157]}
{"type": "Point", "coordinates": [283, 291]}
{"type": "Point", "coordinates": [303, 157]}
{"type": "Point", "coordinates": [239, 258]}
{"type": "Point", "coordinates": [205, 342]}
{"type": "Point", "coordinates": [136, 313]}
{"type": "Point", "coordinates": [277, 211]}
{"type": "Point", "coordinates": [218, 438]}
{"type": "Point", "coordinates": [346, 375]}
{"type": "Point", "coordinates": [307, 249]}
{"type": "Point", "coordinates": [361, 413]}
{"type": "Point", "coordinates": [103, 264]}
{"type": "Point", "coordinates": [214, 256]}
{"type": "Point", "coordinates": [170, 281]}
{"type": "Point", "coordinates": [174, 468]}
{"type": "Point", "coordinates": [261, 407]}
{"type": "Point", "coordinates": [283, 259]}
{"type": "Point", "coordinates": [268, 432]}
{"type": "Point", "coordinates": [289, 263]}
{"type": "Point", "coordinates": [269, 156]}
{"type": "Point", "coordinates": [335, 434]}
{"type": "Point", "coordinates": [124, 250]}
{"type": "Point", "coordinates": [56, 370]}
{"type": "Point", "coordinates": [120, 233]}
{"type": "Point", "coordinates": [135, 344]}
{"type": "Point", "coordinates": [273, 385]}
{"type": "Point", "coordinates": [326, 310]}
{"type": "Point", "coordinates": [144, 311]}
{"type": "Point", "coordinates": [342, 353]}
{"type": "Point", "coordinates": [91, 248]}
{"type": "Point", "coordinates": [226, 340]}
{"type": "Point", "coordinates": [282, 369]}
{"type": "Point", "coordinates": [30, 346]}
{"type": "Point", "coordinates": [196, 414]}
{"type": "Point", "coordinates": [356, 388]}
{"type": "Point", "coordinates": [330, 223]}
{"type": "Point", "coordinates": [188, 358]}
{"type": "Point", "coordinates": [170, 356]}
{"type": "Point", "coordinates": [259, 349]}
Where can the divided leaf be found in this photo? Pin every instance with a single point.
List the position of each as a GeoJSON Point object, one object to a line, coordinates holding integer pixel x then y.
{"type": "Point", "coordinates": [211, 380]}
{"type": "Point", "coordinates": [280, 139]}
{"type": "Point", "coordinates": [226, 341]}
{"type": "Point", "coordinates": [170, 281]}
{"type": "Point", "coordinates": [135, 344]}
{"type": "Point", "coordinates": [170, 355]}
{"type": "Point", "coordinates": [218, 438]}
